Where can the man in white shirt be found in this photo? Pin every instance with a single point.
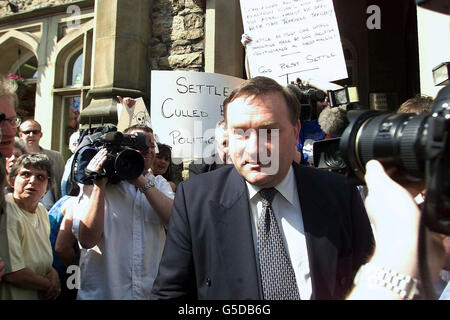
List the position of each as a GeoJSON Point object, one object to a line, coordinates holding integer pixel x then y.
{"type": "Point", "coordinates": [122, 230]}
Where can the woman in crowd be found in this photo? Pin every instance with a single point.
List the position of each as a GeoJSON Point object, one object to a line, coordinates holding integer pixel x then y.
{"type": "Point", "coordinates": [24, 233]}
{"type": "Point", "coordinates": [163, 164]}
{"type": "Point", "coordinates": [18, 150]}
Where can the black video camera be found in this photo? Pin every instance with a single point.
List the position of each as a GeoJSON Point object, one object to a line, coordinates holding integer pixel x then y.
{"type": "Point", "coordinates": [123, 162]}
{"type": "Point", "coordinates": [308, 98]}
{"type": "Point", "coordinates": [416, 145]}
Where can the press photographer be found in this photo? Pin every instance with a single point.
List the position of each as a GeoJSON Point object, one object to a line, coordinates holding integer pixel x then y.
{"type": "Point", "coordinates": [325, 153]}
{"type": "Point", "coordinates": [315, 96]}
{"type": "Point", "coordinates": [412, 147]}
{"type": "Point", "coordinates": [123, 158]}
{"type": "Point", "coordinates": [125, 220]}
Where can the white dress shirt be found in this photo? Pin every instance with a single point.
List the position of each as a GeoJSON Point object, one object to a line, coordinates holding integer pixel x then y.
{"type": "Point", "coordinates": [124, 264]}
{"type": "Point", "coordinates": [286, 207]}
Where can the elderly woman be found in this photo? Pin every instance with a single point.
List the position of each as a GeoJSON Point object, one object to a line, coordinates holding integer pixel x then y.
{"type": "Point", "coordinates": [24, 233]}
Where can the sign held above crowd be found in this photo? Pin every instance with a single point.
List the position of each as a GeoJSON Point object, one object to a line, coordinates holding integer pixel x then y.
{"type": "Point", "coordinates": [185, 108]}
{"type": "Point", "coordinates": [293, 38]}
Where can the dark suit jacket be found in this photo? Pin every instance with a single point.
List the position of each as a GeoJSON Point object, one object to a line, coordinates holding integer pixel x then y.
{"type": "Point", "coordinates": [209, 251]}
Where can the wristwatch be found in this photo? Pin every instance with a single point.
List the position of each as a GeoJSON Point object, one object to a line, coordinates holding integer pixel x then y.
{"type": "Point", "coordinates": [403, 285]}
{"type": "Point", "coordinates": [149, 184]}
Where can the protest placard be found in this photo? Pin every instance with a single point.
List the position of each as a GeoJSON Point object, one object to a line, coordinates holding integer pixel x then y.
{"type": "Point", "coordinates": [136, 114]}
{"type": "Point", "coordinates": [185, 108]}
{"type": "Point", "coordinates": [293, 38]}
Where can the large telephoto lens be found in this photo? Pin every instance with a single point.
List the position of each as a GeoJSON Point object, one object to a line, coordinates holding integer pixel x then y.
{"type": "Point", "coordinates": [395, 139]}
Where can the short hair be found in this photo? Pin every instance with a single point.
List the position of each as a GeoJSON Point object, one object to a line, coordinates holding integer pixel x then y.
{"type": "Point", "coordinates": [18, 144]}
{"type": "Point", "coordinates": [259, 86]}
{"type": "Point", "coordinates": [141, 127]}
{"type": "Point", "coordinates": [419, 104]}
{"type": "Point", "coordinates": [333, 121]}
{"type": "Point", "coordinates": [30, 121]}
{"type": "Point", "coordinates": [8, 89]}
{"type": "Point", "coordinates": [36, 160]}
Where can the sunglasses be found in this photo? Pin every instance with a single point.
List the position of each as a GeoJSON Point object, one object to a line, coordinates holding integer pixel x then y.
{"type": "Point", "coordinates": [27, 132]}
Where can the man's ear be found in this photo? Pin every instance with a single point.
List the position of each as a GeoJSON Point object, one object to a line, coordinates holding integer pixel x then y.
{"type": "Point", "coordinates": [298, 126]}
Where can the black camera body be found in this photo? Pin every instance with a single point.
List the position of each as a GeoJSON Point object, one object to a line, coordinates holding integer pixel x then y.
{"type": "Point", "coordinates": [123, 162]}
{"type": "Point", "coordinates": [308, 98]}
{"type": "Point", "coordinates": [416, 145]}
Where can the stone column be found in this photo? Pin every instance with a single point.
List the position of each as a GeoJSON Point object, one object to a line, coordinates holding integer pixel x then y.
{"type": "Point", "coordinates": [120, 65]}
{"type": "Point", "coordinates": [223, 49]}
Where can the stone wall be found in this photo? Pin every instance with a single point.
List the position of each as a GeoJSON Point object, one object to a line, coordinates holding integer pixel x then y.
{"type": "Point", "coordinates": [29, 5]}
{"type": "Point", "coordinates": [178, 35]}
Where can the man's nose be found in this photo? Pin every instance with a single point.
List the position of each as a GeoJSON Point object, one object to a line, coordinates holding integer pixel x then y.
{"type": "Point", "coordinates": [32, 179]}
{"type": "Point", "coordinates": [251, 146]}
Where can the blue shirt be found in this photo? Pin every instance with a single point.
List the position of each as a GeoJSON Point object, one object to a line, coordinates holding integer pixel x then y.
{"type": "Point", "coordinates": [309, 130]}
{"type": "Point", "coordinates": [55, 216]}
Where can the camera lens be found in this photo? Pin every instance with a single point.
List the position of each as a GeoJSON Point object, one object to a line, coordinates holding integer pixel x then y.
{"type": "Point", "coordinates": [396, 140]}
{"type": "Point", "coordinates": [129, 164]}
{"type": "Point", "coordinates": [333, 157]}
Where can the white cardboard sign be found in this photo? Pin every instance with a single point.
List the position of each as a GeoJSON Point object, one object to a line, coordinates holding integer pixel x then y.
{"type": "Point", "coordinates": [185, 108]}
{"type": "Point", "coordinates": [293, 38]}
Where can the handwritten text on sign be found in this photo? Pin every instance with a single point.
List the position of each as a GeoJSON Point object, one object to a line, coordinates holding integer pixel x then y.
{"type": "Point", "coordinates": [185, 108]}
{"type": "Point", "coordinates": [293, 38]}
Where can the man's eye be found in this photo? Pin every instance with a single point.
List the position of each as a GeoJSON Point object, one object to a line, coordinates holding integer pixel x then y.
{"type": "Point", "coordinates": [41, 177]}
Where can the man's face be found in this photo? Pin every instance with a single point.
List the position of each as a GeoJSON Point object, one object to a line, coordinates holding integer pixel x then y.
{"type": "Point", "coordinates": [261, 138]}
{"type": "Point", "coordinates": [222, 143]}
{"type": "Point", "coordinates": [8, 131]}
{"type": "Point", "coordinates": [30, 133]}
{"type": "Point", "coordinates": [148, 154]}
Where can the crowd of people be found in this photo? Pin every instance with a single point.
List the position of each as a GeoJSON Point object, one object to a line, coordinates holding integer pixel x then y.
{"type": "Point", "coordinates": [238, 228]}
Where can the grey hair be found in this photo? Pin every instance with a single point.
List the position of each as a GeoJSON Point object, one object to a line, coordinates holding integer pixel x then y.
{"type": "Point", "coordinates": [35, 160]}
{"type": "Point", "coordinates": [333, 121]}
{"type": "Point", "coordinates": [8, 90]}
{"type": "Point", "coordinates": [18, 143]}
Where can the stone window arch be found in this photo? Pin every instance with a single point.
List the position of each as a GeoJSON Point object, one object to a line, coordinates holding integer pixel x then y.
{"type": "Point", "coordinates": [74, 69]}
{"type": "Point", "coordinates": [72, 82]}
{"type": "Point", "coordinates": [19, 57]}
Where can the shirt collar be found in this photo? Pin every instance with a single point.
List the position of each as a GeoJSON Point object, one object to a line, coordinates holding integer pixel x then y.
{"type": "Point", "coordinates": [287, 187]}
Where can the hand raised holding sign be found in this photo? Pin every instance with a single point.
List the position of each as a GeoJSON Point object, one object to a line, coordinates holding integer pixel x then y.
{"type": "Point", "coordinates": [127, 101]}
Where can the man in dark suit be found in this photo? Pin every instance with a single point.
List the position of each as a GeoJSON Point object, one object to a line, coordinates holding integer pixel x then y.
{"type": "Point", "coordinates": [224, 231]}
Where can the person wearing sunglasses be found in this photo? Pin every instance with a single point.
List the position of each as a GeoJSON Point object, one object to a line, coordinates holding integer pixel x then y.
{"type": "Point", "coordinates": [30, 132]}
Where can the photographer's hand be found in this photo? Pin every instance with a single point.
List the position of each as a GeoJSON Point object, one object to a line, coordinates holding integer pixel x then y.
{"type": "Point", "coordinates": [158, 200]}
{"type": "Point", "coordinates": [96, 166]}
{"type": "Point", "coordinates": [395, 218]}
{"type": "Point", "coordinates": [92, 222]}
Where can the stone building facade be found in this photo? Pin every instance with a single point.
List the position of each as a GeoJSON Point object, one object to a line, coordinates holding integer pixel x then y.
{"type": "Point", "coordinates": [78, 55]}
